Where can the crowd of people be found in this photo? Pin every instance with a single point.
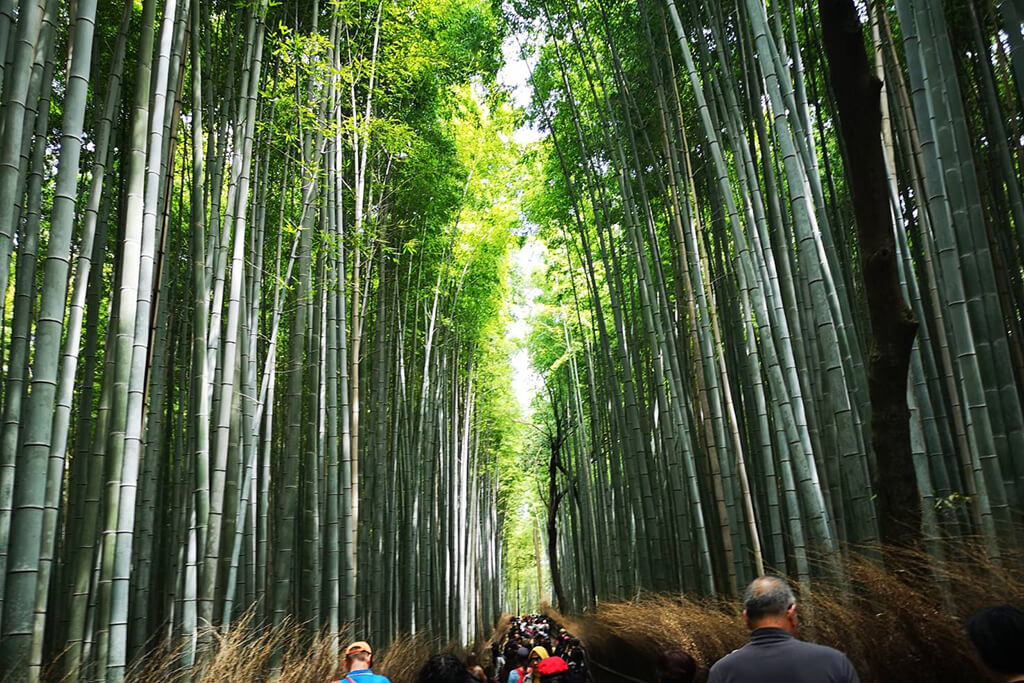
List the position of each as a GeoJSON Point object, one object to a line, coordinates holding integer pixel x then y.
{"type": "Point", "coordinates": [535, 649]}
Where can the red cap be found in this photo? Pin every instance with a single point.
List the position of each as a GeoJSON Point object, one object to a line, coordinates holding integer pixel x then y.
{"type": "Point", "coordinates": [551, 665]}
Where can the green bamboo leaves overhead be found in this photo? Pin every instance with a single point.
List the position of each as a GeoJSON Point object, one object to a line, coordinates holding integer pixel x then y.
{"type": "Point", "coordinates": [260, 356]}
{"type": "Point", "coordinates": [704, 269]}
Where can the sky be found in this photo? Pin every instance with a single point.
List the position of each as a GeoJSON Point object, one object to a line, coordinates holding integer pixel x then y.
{"type": "Point", "coordinates": [525, 380]}
{"type": "Point", "coordinates": [515, 75]}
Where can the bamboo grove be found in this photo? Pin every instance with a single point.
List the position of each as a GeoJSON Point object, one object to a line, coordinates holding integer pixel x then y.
{"type": "Point", "coordinates": [254, 264]}
{"type": "Point", "coordinates": [256, 270]}
{"type": "Point", "coordinates": [704, 338]}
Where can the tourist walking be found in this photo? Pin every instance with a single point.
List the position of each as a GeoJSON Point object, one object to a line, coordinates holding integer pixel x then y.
{"type": "Point", "coordinates": [773, 654]}
{"type": "Point", "coordinates": [358, 665]}
{"type": "Point", "coordinates": [537, 655]}
{"type": "Point", "coordinates": [444, 668]}
{"type": "Point", "coordinates": [552, 670]}
{"type": "Point", "coordinates": [518, 674]}
{"type": "Point", "coordinates": [998, 636]}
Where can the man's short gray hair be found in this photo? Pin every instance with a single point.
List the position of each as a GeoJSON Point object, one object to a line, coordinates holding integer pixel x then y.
{"type": "Point", "coordinates": [767, 596]}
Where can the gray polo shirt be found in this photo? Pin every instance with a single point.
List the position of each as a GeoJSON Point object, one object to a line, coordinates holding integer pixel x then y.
{"type": "Point", "coordinates": [774, 656]}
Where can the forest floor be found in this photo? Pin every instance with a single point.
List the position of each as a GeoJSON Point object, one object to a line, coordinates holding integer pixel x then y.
{"type": "Point", "coordinates": [902, 625]}
{"type": "Point", "coordinates": [894, 625]}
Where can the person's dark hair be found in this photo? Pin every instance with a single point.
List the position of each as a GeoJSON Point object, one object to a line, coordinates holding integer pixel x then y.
{"type": "Point", "coordinates": [998, 633]}
{"type": "Point", "coordinates": [676, 666]}
{"type": "Point", "coordinates": [444, 668]}
{"type": "Point", "coordinates": [767, 596]}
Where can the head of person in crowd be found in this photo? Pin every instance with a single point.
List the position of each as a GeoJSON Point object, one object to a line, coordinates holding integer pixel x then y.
{"type": "Point", "coordinates": [358, 656]}
{"type": "Point", "coordinates": [676, 666]}
{"type": "Point", "coordinates": [576, 654]}
{"type": "Point", "coordinates": [552, 670]}
{"type": "Point", "coordinates": [444, 668]}
{"type": "Point", "coordinates": [769, 602]}
{"type": "Point", "coordinates": [998, 636]}
{"type": "Point", "coordinates": [522, 656]}
{"type": "Point", "coordinates": [537, 655]}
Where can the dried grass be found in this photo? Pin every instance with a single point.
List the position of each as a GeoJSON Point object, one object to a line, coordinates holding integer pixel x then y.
{"type": "Point", "coordinates": [247, 653]}
{"type": "Point", "coordinates": [895, 625]}
{"type": "Point", "coordinates": [908, 624]}
{"type": "Point", "coordinates": [406, 655]}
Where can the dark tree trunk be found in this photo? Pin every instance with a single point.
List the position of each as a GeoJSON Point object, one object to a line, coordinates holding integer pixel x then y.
{"type": "Point", "coordinates": [556, 441]}
{"type": "Point", "coordinates": [893, 324]}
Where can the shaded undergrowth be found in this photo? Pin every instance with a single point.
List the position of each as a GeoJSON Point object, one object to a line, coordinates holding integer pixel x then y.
{"type": "Point", "coordinates": [286, 653]}
{"type": "Point", "coordinates": [899, 622]}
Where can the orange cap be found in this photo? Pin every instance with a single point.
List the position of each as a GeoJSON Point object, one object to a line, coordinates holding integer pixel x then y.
{"type": "Point", "coordinates": [358, 646]}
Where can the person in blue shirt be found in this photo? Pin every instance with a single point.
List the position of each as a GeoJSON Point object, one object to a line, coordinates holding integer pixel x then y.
{"type": "Point", "coordinates": [518, 674]}
{"type": "Point", "coordinates": [358, 662]}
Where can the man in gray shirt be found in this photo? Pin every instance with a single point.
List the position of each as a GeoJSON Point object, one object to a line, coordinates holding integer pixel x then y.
{"type": "Point", "coordinates": [773, 655]}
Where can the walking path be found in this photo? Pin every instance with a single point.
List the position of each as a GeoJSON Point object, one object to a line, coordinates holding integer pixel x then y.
{"type": "Point", "coordinates": [530, 639]}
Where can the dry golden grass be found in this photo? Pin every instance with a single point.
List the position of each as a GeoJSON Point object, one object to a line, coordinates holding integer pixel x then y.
{"type": "Point", "coordinates": [895, 625]}
{"type": "Point", "coordinates": [247, 653]}
{"type": "Point", "coordinates": [708, 630]}
{"type": "Point", "coordinates": [406, 655]}
{"type": "Point", "coordinates": [626, 637]}
{"type": "Point", "coordinates": [908, 624]}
